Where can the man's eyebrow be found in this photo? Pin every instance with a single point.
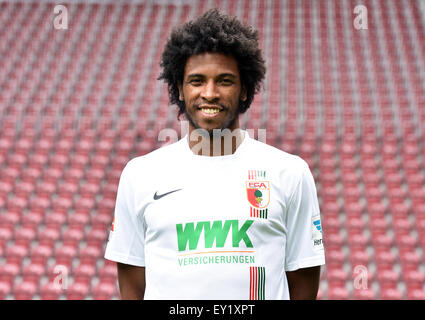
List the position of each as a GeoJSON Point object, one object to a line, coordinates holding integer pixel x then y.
{"type": "Point", "coordinates": [195, 75]}
{"type": "Point", "coordinates": [221, 75]}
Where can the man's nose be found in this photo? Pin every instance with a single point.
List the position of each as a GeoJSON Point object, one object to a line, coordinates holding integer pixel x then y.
{"type": "Point", "coordinates": [210, 92]}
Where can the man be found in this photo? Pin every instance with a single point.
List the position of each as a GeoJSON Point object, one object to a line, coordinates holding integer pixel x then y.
{"type": "Point", "coordinates": [216, 215]}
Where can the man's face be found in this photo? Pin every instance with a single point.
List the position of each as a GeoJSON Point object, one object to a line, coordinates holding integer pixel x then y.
{"type": "Point", "coordinates": [212, 91]}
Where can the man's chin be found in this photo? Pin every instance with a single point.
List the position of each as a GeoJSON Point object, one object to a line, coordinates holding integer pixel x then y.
{"type": "Point", "coordinates": [207, 129]}
{"type": "Point", "coordinates": [213, 132]}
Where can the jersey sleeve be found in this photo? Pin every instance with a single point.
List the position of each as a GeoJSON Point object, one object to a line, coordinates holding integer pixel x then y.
{"type": "Point", "coordinates": [126, 239]}
{"type": "Point", "coordinates": [304, 245]}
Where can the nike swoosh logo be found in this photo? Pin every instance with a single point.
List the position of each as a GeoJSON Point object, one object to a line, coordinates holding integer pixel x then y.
{"type": "Point", "coordinates": [157, 196]}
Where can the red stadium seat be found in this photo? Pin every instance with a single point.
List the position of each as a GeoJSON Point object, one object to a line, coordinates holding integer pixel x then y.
{"type": "Point", "coordinates": [25, 235]}
{"type": "Point", "coordinates": [84, 272]}
{"type": "Point", "coordinates": [391, 294]}
{"type": "Point", "coordinates": [73, 236]}
{"type": "Point", "coordinates": [55, 219]}
{"type": "Point", "coordinates": [336, 257]}
{"type": "Point", "coordinates": [359, 256]}
{"type": "Point", "coordinates": [40, 253]}
{"type": "Point", "coordinates": [31, 220]}
{"type": "Point", "coordinates": [65, 254]}
{"type": "Point", "coordinates": [16, 253]}
{"type": "Point", "coordinates": [337, 276]}
{"type": "Point", "coordinates": [416, 294]}
{"type": "Point", "coordinates": [388, 277]}
{"type": "Point", "coordinates": [14, 211]}
{"type": "Point", "coordinates": [49, 235]}
{"type": "Point", "coordinates": [331, 223]}
{"type": "Point", "coordinates": [46, 189]}
{"type": "Point", "coordinates": [8, 272]}
{"type": "Point", "coordinates": [333, 240]}
{"type": "Point", "coordinates": [105, 291]}
{"type": "Point", "coordinates": [96, 237]}
{"type": "Point", "coordinates": [338, 293]}
{"type": "Point", "coordinates": [414, 278]}
{"type": "Point", "coordinates": [85, 204]}
{"type": "Point", "coordinates": [108, 273]}
{"type": "Point", "coordinates": [364, 294]}
{"type": "Point", "coordinates": [383, 241]}
{"type": "Point", "coordinates": [355, 223]}
{"type": "Point", "coordinates": [406, 241]}
{"type": "Point", "coordinates": [101, 220]}
{"type": "Point", "coordinates": [25, 290]}
{"type": "Point", "coordinates": [33, 272]}
{"type": "Point", "coordinates": [78, 219]}
{"type": "Point", "coordinates": [5, 289]}
{"type": "Point", "coordinates": [409, 259]}
{"type": "Point", "coordinates": [77, 291]}
{"type": "Point", "coordinates": [50, 291]}
{"type": "Point", "coordinates": [358, 241]}
{"type": "Point", "coordinates": [62, 205]}
{"type": "Point", "coordinates": [384, 257]}
{"type": "Point", "coordinates": [90, 254]}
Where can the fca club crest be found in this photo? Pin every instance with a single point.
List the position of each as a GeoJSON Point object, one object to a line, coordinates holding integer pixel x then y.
{"type": "Point", "coordinates": [258, 193]}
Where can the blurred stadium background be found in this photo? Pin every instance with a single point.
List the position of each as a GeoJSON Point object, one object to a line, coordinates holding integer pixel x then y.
{"type": "Point", "coordinates": [77, 104]}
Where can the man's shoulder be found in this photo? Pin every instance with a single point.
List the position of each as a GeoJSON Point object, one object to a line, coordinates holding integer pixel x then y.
{"type": "Point", "coordinates": [163, 155]}
{"type": "Point", "coordinates": [276, 156]}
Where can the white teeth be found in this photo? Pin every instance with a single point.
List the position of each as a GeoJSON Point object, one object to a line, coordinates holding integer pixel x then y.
{"type": "Point", "coordinates": [210, 110]}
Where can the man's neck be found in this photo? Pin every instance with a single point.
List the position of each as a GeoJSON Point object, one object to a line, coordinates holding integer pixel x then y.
{"type": "Point", "coordinates": [218, 143]}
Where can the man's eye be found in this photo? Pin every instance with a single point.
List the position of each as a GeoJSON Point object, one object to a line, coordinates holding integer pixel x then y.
{"type": "Point", "coordinates": [226, 82]}
{"type": "Point", "coordinates": [195, 82]}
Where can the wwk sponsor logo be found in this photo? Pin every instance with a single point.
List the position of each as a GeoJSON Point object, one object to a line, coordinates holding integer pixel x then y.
{"type": "Point", "coordinates": [217, 232]}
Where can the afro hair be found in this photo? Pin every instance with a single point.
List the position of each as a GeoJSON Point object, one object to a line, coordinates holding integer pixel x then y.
{"type": "Point", "coordinates": [218, 33]}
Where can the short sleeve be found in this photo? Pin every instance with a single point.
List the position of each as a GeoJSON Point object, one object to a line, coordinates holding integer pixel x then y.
{"type": "Point", "coordinates": [304, 242]}
{"type": "Point", "coordinates": [126, 239]}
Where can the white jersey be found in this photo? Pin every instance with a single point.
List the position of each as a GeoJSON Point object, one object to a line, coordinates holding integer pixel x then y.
{"type": "Point", "coordinates": [225, 227]}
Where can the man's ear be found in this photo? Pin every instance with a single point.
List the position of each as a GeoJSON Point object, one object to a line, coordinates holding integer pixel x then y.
{"type": "Point", "coordinates": [243, 94]}
{"type": "Point", "coordinates": [181, 96]}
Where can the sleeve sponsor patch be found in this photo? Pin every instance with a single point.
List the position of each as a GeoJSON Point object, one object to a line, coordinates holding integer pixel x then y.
{"type": "Point", "coordinates": [316, 234]}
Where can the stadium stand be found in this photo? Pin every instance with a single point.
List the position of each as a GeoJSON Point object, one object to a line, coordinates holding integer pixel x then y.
{"type": "Point", "coordinates": [77, 104]}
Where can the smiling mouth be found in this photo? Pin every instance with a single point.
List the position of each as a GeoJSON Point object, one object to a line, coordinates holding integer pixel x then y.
{"type": "Point", "coordinates": [210, 110]}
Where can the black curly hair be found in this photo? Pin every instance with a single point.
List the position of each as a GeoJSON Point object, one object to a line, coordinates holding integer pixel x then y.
{"type": "Point", "coordinates": [213, 32]}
